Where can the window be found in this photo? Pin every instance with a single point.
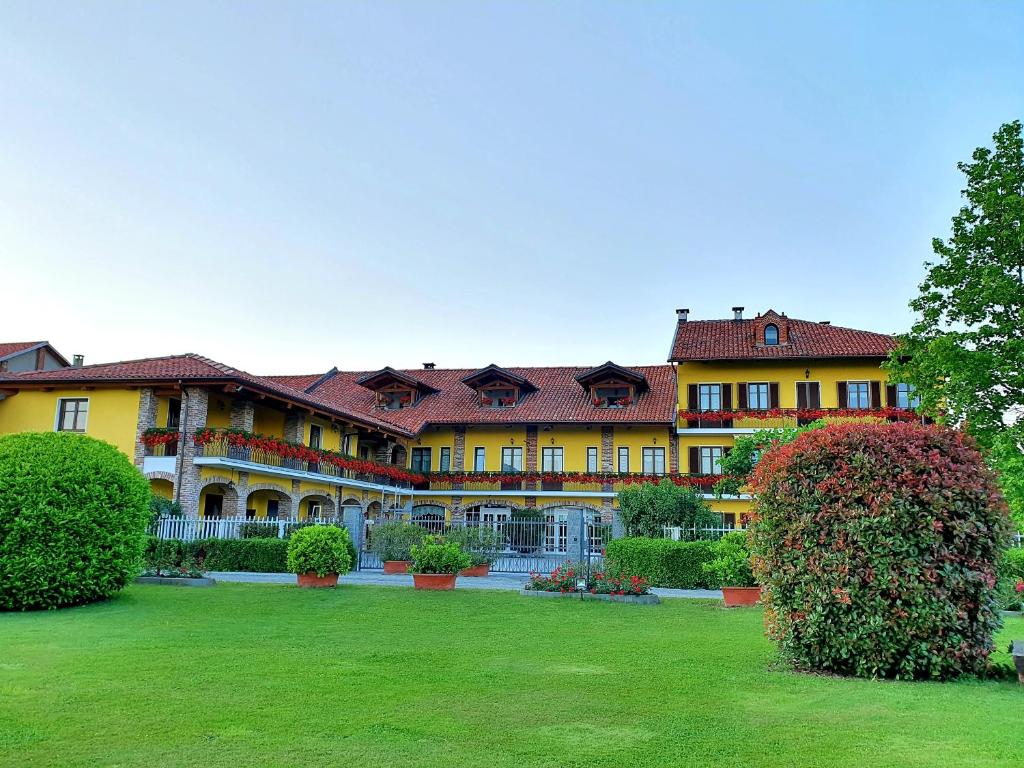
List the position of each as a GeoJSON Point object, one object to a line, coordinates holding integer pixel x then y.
{"type": "Point", "coordinates": [316, 436]}
{"type": "Point", "coordinates": [858, 394]}
{"type": "Point", "coordinates": [173, 413]}
{"type": "Point", "coordinates": [654, 461]}
{"type": "Point", "coordinates": [758, 398]}
{"type": "Point", "coordinates": [710, 397]}
{"type": "Point", "coordinates": [498, 397]}
{"type": "Point", "coordinates": [905, 397]}
{"type": "Point", "coordinates": [592, 459]}
{"type": "Point", "coordinates": [445, 460]}
{"type": "Point", "coordinates": [346, 444]}
{"type": "Point", "coordinates": [623, 460]}
{"type": "Point", "coordinates": [710, 460]}
{"type": "Point", "coordinates": [420, 460]}
{"type": "Point", "coordinates": [511, 459]}
{"type": "Point", "coordinates": [551, 460]}
{"type": "Point", "coordinates": [393, 401]}
{"type": "Point", "coordinates": [556, 533]}
{"type": "Point", "coordinates": [771, 335]}
{"type": "Point", "coordinates": [612, 397]}
{"type": "Point", "coordinates": [72, 413]}
{"type": "Point", "coordinates": [314, 510]}
{"type": "Point", "coordinates": [479, 460]}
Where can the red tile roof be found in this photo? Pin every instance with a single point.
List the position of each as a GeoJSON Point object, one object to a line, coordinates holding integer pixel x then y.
{"type": "Point", "coordinates": [188, 368]}
{"type": "Point", "coordinates": [8, 348]}
{"type": "Point", "coordinates": [737, 340]}
{"type": "Point", "coordinates": [559, 398]}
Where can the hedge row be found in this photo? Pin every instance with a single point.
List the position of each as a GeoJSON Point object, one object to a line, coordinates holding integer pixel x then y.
{"type": "Point", "coordinates": [663, 562]}
{"type": "Point", "coordinates": [256, 555]}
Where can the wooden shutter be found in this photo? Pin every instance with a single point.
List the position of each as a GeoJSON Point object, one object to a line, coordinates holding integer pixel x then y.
{"type": "Point", "coordinates": [891, 397]}
{"type": "Point", "coordinates": [694, 460]}
{"type": "Point", "coordinates": [741, 395]}
{"type": "Point", "coordinates": [692, 398]}
{"type": "Point", "coordinates": [876, 394]}
{"type": "Point", "coordinates": [815, 395]}
{"type": "Point", "coordinates": [842, 401]}
{"type": "Point", "coordinates": [803, 389]}
{"type": "Point", "coordinates": [726, 397]}
{"type": "Point", "coordinates": [773, 394]}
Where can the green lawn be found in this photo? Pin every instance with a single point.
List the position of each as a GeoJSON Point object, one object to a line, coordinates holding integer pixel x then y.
{"type": "Point", "coordinates": [259, 675]}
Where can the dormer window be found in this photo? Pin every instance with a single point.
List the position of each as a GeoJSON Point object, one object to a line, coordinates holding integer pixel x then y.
{"type": "Point", "coordinates": [771, 335]}
{"type": "Point", "coordinates": [395, 399]}
{"type": "Point", "coordinates": [498, 397]}
{"type": "Point", "coordinates": [613, 396]}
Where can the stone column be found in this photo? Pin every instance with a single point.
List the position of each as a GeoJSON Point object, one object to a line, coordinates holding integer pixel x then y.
{"type": "Point", "coordinates": [242, 488]}
{"type": "Point", "coordinates": [195, 406]}
{"type": "Point", "coordinates": [459, 453]}
{"type": "Point", "coordinates": [673, 450]}
{"type": "Point", "coordinates": [295, 427]}
{"type": "Point", "coordinates": [243, 415]}
{"type": "Point", "coordinates": [147, 420]}
{"type": "Point", "coordinates": [531, 455]}
{"type": "Point", "coordinates": [296, 498]}
{"type": "Point", "coordinates": [608, 449]}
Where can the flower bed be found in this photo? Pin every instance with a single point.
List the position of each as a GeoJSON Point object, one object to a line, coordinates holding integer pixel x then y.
{"type": "Point", "coordinates": [611, 580]}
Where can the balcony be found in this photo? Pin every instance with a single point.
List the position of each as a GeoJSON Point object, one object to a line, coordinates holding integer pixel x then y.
{"type": "Point", "coordinates": [777, 418]}
{"type": "Point", "coordinates": [531, 483]}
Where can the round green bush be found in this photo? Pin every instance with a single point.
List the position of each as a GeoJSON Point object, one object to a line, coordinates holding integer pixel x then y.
{"type": "Point", "coordinates": [877, 547]}
{"type": "Point", "coordinates": [320, 548]}
{"type": "Point", "coordinates": [73, 515]}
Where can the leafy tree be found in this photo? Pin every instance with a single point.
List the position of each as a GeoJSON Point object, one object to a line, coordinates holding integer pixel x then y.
{"type": "Point", "coordinates": [647, 508]}
{"type": "Point", "coordinates": [965, 355]}
{"type": "Point", "coordinates": [738, 465]}
{"type": "Point", "coordinates": [1007, 457]}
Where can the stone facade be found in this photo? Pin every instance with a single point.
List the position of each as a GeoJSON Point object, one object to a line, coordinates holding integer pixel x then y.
{"type": "Point", "coordinates": [195, 407]}
{"type": "Point", "coordinates": [243, 415]}
{"type": "Point", "coordinates": [608, 449]}
{"type": "Point", "coordinates": [459, 451]}
{"type": "Point", "coordinates": [147, 420]}
{"type": "Point", "coordinates": [295, 427]}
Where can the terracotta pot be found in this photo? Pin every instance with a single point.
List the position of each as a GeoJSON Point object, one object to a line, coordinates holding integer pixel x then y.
{"type": "Point", "coordinates": [441, 581]}
{"type": "Point", "coordinates": [391, 567]}
{"type": "Point", "coordinates": [484, 569]}
{"type": "Point", "coordinates": [310, 579]}
{"type": "Point", "coordinates": [737, 596]}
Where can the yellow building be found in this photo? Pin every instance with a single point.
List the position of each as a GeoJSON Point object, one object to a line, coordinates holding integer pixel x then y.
{"type": "Point", "coordinates": [439, 444]}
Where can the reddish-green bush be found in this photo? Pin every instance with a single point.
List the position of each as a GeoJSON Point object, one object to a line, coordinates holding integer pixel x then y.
{"type": "Point", "coordinates": [877, 546]}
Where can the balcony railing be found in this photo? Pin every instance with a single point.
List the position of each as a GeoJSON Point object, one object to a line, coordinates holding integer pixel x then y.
{"type": "Point", "coordinates": [530, 483]}
{"type": "Point", "coordinates": [775, 418]}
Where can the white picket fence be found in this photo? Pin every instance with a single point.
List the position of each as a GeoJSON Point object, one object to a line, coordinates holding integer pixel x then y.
{"type": "Point", "coordinates": [677, 533]}
{"type": "Point", "coordinates": [192, 528]}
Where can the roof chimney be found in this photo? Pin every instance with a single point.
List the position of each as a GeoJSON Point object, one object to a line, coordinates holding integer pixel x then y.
{"type": "Point", "coordinates": [682, 314]}
{"type": "Point", "coordinates": [428, 366]}
{"type": "Point", "coordinates": [737, 313]}
{"type": "Point", "coordinates": [78, 361]}
{"type": "Point", "coordinates": [825, 322]}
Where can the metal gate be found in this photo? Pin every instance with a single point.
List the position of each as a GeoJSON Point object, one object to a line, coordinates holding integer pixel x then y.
{"type": "Point", "coordinates": [514, 542]}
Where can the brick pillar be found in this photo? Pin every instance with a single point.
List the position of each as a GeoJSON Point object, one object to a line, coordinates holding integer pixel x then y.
{"type": "Point", "coordinates": [295, 427]}
{"type": "Point", "coordinates": [242, 487]}
{"type": "Point", "coordinates": [147, 420]}
{"type": "Point", "coordinates": [607, 449]}
{"type": "Point", "coordinates": [195, 406]}
{"type": "Point", "coordinates": [673, 450]}
{"type": "Point", "coordinates": [296, 498]}
{"type": "Point", "coordinates": [243, 415]}
{"type": "Point", "coordinates": [531, 455]}
{"type": "Point", "coordinates": [459, 454]}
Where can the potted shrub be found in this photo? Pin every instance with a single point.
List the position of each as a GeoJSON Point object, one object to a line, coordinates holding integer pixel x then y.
{"type": "Point", "coordinates": [317, 555]}
{"type": "Point", "coordinates": [481, 543]}
{"type": "Point", "coordinates": [392, 542]}
{"type": "Point", "coordinates": [436, 563]}
{"type": "Point", "coordinates": [731, 571]}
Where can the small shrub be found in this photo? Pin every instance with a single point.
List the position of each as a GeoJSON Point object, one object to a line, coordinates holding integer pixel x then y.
{"type": "Point", "coordinates": [437, 555]}
{"type": "Point", "coordinates": [322, 549]}
{"type": "Point", "coordinates": [1010, 594]}
{"type": "Point", "coordinates": [1012, 564]}
{"type": "Point", "coordinates": [663, 562]}
{"type": "Point", "coordinates": [480, 542]}
{"type": "Point", "coordinates": [394, 540]}
{"type": "Point", "coordinates": [163, 507]}
{"type": "Point", "coordinates": [876, 546]}
{"type": "Point", "coordinates": [731, 564]}
{"type": "Point", "coordinates": [73, 516]}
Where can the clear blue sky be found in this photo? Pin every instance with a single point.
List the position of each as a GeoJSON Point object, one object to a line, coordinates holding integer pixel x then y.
{"type": "Point", "coordinates": [290, 186]}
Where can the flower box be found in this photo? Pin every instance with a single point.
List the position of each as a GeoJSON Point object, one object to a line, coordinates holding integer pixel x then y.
{"type": "Point", "coordinates": [392, 567]}
{"type": "Point", "coordinates": [442, 582]}
{"type": "Point", "coordinates": [310, 579]}
{"type": "Point", "coordinates": [736, 597]}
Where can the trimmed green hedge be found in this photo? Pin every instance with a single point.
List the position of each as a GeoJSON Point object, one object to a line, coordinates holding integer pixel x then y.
{"type": "Point", "coordinates": [255, 555]}
{"type": "Point", "coordinates": [663, 562]}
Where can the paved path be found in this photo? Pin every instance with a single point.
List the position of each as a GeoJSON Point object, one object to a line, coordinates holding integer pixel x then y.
{"type": "Point", "coordinates": [508, 581]}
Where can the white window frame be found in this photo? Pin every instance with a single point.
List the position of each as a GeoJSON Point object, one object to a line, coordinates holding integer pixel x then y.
{"type": "Point", "coordinates": [905, 393]}
{"type": "Point", "coordinates": [654, 452]}
{"type": "Point", "coordinates": [419, 450]}
{"type": "Point", "coordinates": [623, 451]}
{"type": "Point", "coordinates": [593, 459]}
{"type": "Point", "coordinates": [58, 421]}
{"type": "Point", "coordinates": [764, 403]}
{"type": "Point", "coordinates": [711, 459]}
{"type": "Point", "coordinates": [516, 453]}
{"type": "Point", "coordinates": [548, 458]}
{"type": "Point", "coordinates": [444, 459]}
{"type": "Point", "coordinates": [714, 391]}
{"type": "Point", "coordinates": [479, 458]}
{"type": "Point", "coordinates": [556, 533]}
{"type": "Point", "coordinates": [777, 335]}
{"type": "Point", "coordinates": [320, 431]}
{"type": "Point", "coordinates": [849, 392]}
